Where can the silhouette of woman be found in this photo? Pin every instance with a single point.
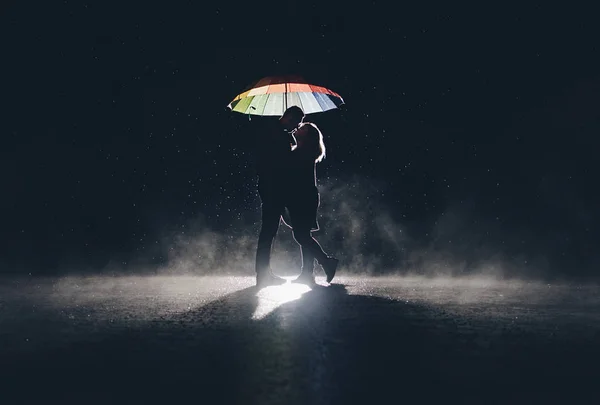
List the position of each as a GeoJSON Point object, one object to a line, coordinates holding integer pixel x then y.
{"type": "Point", "coordinates": [304, 199]}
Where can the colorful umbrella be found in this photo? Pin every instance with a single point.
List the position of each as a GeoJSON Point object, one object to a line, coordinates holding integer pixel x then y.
{"type": "Point", "coordinates": [274, 94]}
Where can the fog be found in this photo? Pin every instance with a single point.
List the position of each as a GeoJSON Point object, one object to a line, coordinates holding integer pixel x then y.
{"type": "Point", "coordinates": [368, 236]}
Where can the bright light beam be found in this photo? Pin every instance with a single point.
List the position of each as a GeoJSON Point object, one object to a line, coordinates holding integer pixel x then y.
{"type": "Point", "coordinates": [270, 298]}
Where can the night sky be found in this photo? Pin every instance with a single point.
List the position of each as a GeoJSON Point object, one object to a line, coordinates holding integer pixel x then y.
{"type": "Point", "coordinates": [474, 129]}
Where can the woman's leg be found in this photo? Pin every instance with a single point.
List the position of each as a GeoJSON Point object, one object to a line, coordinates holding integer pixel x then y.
{"type": "Point", "coordinates": [303, 212]}
{"type": "Point", "coordinates": [309, 245]}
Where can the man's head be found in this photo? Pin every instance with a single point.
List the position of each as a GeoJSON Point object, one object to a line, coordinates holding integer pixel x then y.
{"type": "Point", "coordinates": [292, 117]}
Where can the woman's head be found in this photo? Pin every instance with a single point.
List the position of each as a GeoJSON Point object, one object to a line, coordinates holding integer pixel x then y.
{"type": "Point", "coordinates": [310, 141]}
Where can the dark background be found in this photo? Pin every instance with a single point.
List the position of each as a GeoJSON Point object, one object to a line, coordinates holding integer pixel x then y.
{"type": "Point", "coordinates": [115, 132]}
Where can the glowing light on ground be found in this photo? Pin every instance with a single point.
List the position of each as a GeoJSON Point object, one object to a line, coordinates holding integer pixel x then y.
{"type": "Point", "coordinates": [270, 298]}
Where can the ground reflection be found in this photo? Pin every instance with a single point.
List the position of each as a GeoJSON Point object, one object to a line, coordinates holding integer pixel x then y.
{"type": "Point", "coordinates": [359, 340]}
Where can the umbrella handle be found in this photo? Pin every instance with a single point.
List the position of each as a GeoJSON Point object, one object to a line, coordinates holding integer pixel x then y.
{"type": "Point", "coordinates": [250, 115]}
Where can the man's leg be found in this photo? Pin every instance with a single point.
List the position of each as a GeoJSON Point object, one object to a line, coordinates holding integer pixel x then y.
{"type": "Point", "coordinates": [268, 231]}
{"type": "Point", "coordinates": [271, 215]}
{"type": "Point", "coordinates": [308, 261]}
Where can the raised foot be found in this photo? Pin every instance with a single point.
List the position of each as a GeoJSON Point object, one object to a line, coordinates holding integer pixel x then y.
{"type": "Point", "coordinates": [330, 267]}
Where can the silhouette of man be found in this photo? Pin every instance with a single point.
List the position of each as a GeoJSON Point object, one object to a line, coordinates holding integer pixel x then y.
{"type": "Point", "coordinates": [273, 157]}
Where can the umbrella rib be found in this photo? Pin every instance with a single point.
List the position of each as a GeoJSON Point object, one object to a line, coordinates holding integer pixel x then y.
{"type": "Point", "coordinates": [285, 93]}
{"type": "Point", "coordinates": [300, 101]}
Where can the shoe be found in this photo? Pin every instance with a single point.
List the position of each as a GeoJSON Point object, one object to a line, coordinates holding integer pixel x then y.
{"type": "Point", "coordinates": [305, 277]}
{"type": "Point", "coordinates": [329, 267]}
{"type": "Point", "coordinates": [267, 279]}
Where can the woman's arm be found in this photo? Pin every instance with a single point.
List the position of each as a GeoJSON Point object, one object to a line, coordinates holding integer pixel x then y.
{"type": "Point", "coordinates": [307, 140]}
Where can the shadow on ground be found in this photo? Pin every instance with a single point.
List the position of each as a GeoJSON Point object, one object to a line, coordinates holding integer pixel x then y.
{"type": "Point", "coordinates": [325, 347]}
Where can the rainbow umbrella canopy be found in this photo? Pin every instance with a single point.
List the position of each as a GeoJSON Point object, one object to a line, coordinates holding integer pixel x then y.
{"type": "Point", "coordinates": [274, 94]}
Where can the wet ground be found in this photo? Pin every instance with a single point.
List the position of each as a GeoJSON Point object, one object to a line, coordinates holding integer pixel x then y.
{"type": "Point", "coordinates": [211, 340]}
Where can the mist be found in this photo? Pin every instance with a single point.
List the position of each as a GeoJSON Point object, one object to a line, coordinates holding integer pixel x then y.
{"type": "Point", "coordinates": [369, 236]}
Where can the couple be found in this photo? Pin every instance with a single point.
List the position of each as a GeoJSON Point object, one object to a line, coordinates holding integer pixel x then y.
{"type": "Point", "coordinates": [287, 181]}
